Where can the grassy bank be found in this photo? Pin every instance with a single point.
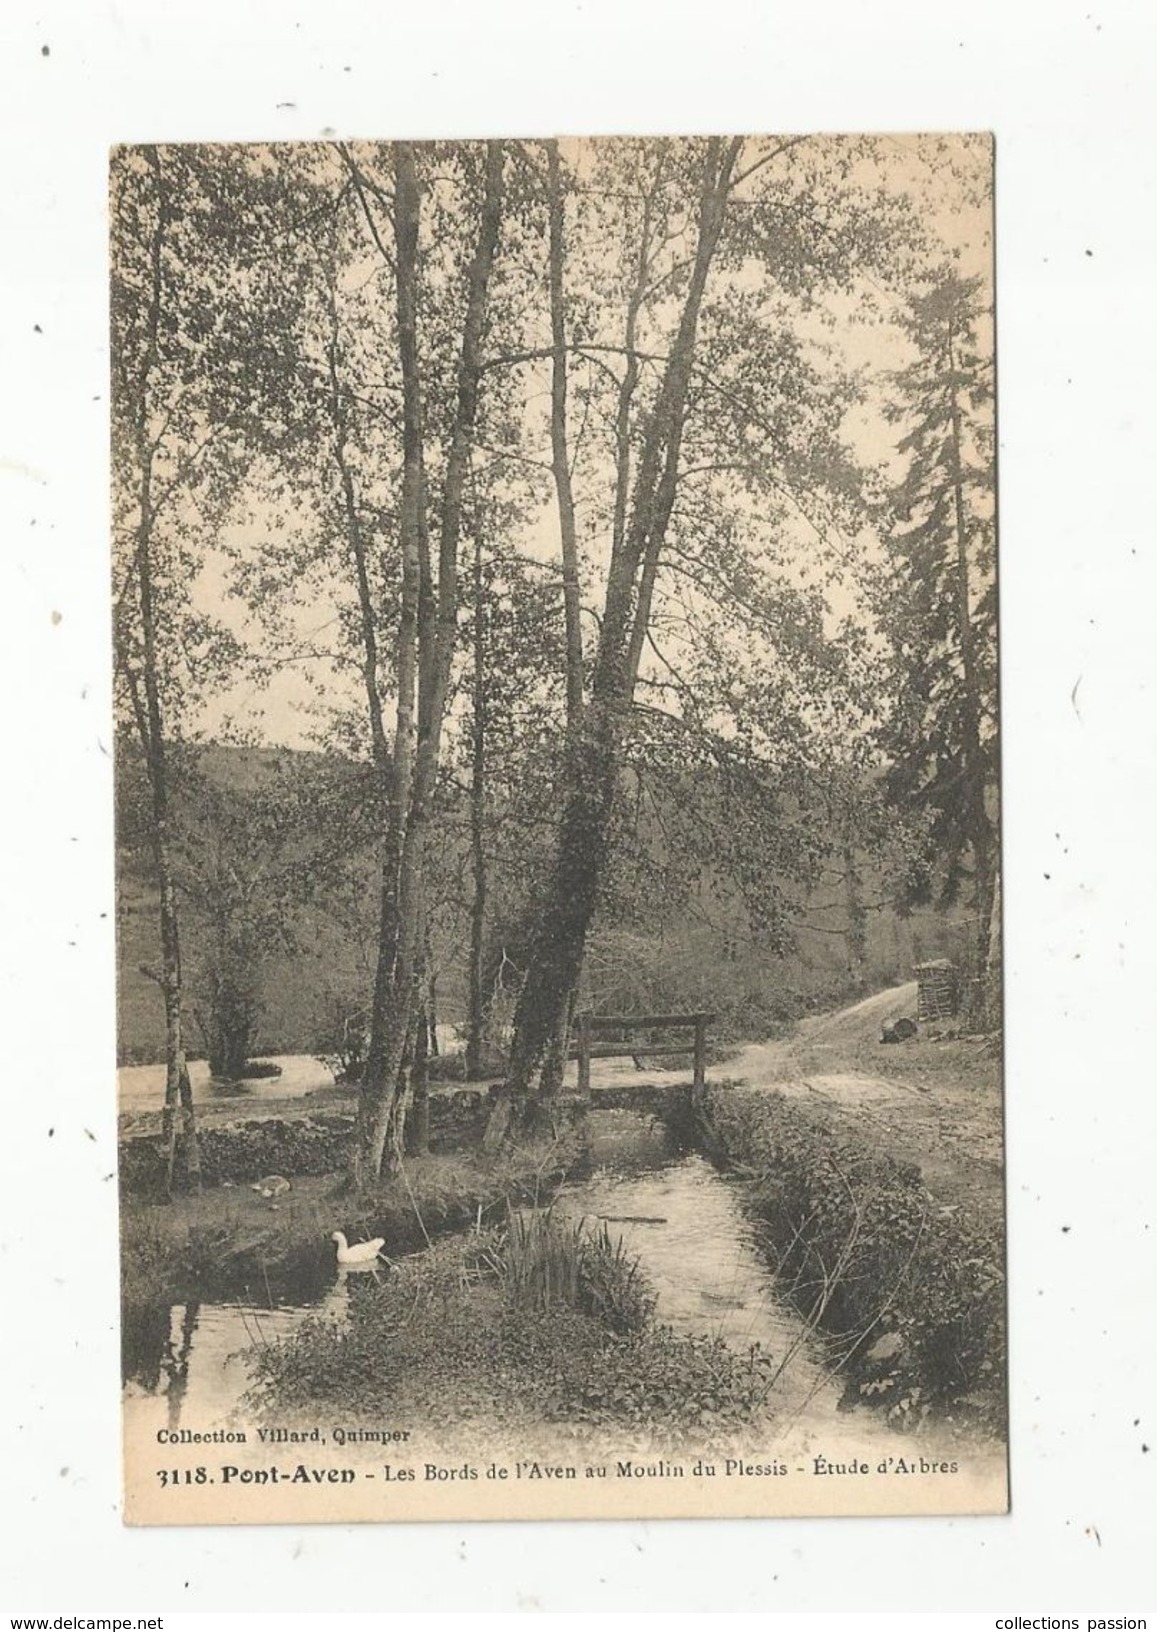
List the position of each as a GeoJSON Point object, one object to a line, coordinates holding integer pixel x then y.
{"type": "Point", "coordinates": [908, 1291]}
{"type": "Point", "coordinates": [537, 1322]}
{"type": "Point", "coordinates": [229, 1242]}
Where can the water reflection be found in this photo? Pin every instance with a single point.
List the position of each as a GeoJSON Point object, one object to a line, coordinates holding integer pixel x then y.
{"type": "Point", "coordinates": [182, 1325]}
{"type": "Point", "coordinates": [199, 1371]}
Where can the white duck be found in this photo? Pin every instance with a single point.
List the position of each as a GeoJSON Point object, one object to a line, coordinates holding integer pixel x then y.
{"type": "Point", "coordinates": [362, 1252]}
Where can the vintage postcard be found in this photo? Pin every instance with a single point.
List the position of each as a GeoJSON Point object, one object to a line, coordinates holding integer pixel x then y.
{"type": "Point", "coordinates": [558, 830]}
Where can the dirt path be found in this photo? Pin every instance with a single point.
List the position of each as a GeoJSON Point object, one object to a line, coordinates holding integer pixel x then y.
{"type": "Point", "coordinates": [936, 1102]}
{"type": "Point", "coordinates": [787, 1064]}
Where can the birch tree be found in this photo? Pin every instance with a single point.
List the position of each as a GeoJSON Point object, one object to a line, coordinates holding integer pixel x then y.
{"type": "Point", "coordinates": [176, 397]}
{"type": "Point", "coordinates": [709, 239]}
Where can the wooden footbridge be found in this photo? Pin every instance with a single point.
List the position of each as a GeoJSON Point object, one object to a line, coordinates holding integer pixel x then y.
{"type": "Point", "coordinates": [622, 1041]}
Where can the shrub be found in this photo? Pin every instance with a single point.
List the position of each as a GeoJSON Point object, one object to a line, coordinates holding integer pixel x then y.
{"type": "Point", "coordinates": [228, 1010]}
{"type": "Point", "coordinates": [342, 1037]}
{"type": "Point", "coordinates": [653, 1378]}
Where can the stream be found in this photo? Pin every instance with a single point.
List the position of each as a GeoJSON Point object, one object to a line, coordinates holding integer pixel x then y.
{"type": "Point", "coordinates": [684, 1221]}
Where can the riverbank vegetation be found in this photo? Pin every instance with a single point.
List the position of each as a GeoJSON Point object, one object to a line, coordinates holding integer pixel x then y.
{"type": "Point", "coordinates": [541, 1321]}
{"type": "Point", "coordinates": [908, 1291]}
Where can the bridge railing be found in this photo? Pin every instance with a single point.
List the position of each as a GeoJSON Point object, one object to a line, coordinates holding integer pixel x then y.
{"type": "Point", "coordinates": [590, 1026]}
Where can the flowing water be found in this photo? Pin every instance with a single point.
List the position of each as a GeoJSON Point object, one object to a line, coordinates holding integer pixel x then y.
{"type": "Point", "coordinates": [686, 1224]}
{"type": "Point", "coordinates": [681, 1218]}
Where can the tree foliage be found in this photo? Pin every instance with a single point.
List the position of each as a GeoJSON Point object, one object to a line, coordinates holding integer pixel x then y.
{"type": "Point", "coordinates": [537, 463]}
{"type": "Point", "coordinates": [942, 735]}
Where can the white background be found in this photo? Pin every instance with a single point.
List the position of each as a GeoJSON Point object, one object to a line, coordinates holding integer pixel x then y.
{"type": "Point", "coordinates": [1068, 89]}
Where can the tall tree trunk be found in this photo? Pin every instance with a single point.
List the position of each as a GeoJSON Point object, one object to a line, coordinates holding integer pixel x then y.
{"type": "Point", "coordinates": [594, 753]}
{"type": "Point", "coordinates": [191, 1145]}
{"type": "Point", "coordinates": [399, 1117]}
{"type": "Point", "coordinates": [379, 1113]}
{"type": "Point", "coordinates": [975, 780]}
{"type": "Point", "coordinates": [559, 941]}
{"type": "Point", "coordinates": [389, 1012]}
{"type": "Point", "coordinates": [179, 1122]}
{"type": "Point", "coordinates": [418, 1122]}
{"type": "Point", "coordinates": [992, 1016]}
{"type": "Point", "coordinates": [178, 1110]}
{"type": "Point", "coordinates": [393, 769]}
{"type": "Point", "coordinates": [555, 1047]}
{"type": "Point", "coordinates": [560, 452]}
{"type": "Point", "coordinates": [476, 1025]}
{"type": "Point", "coordinates": [857, 933]}
{"type": "Point", "coordinates": [557, 1050]}
{"type": "Point", "coordinates": [430, 998]}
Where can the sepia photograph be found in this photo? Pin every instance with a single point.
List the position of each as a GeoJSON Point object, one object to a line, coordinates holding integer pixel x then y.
{"type": "Point", "coordinates": [558, 828]}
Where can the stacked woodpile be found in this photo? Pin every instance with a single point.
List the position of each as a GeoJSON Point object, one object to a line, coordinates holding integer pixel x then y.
{"type": "Point", "coordinates": [938, 989]}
